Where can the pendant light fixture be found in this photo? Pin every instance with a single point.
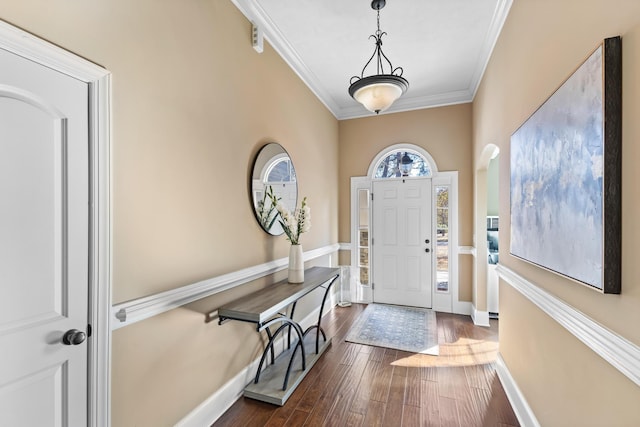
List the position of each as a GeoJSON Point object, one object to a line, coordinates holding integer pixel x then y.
{"type": "Point", "coordinates": [378, 91]}
{"type": "Point", "coordinates": [406, 164]}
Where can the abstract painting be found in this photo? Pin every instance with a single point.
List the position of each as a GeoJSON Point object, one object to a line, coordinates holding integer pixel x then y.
{"type": "Point", "coordinates": [565, 176]}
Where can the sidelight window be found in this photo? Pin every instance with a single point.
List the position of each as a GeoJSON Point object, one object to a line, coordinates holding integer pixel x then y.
{"type": "Point", "coordinates": [363, 235]}
{"type": "Point", "coordinates": [442, 238]}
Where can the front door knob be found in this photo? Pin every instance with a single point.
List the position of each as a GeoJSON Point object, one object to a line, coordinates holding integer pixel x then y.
{"type": "Point", "coordinates": [427, 241]}
{"type": "Point", "coordinates": [427, 250]}
{"type": "Point", "coordinates": [73, 337]}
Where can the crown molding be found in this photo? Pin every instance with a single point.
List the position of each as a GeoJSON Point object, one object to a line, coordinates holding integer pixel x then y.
{"type": "Point", "coordinates": [257, 15]}
{"type": "Point", "coordinates": [497, 22]}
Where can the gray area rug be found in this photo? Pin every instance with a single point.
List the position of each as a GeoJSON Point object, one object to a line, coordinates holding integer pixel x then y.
{"type": "Point", "coordinates": [402, 328]}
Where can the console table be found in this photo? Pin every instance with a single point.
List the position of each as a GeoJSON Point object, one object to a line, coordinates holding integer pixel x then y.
{"type": "Point", "coordinates": [266, 308]}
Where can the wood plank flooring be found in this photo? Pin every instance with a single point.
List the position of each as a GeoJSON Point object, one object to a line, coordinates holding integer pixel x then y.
{"type": "Point", "coordinates": [358, 385]}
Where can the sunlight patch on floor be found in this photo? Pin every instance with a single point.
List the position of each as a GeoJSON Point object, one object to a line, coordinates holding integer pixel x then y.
{"type": "Point", "coordinates": [463, 352]}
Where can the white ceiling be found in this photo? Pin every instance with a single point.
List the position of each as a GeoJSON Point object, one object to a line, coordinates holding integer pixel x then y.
{"type": "Point", "coordinates": [443, 46]}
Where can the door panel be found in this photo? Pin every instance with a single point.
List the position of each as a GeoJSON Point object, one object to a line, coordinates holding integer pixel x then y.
{"type": "Point", "coordinates": [29, 235]}
{"type": "Point", "coordinates": [413, 273]}
{"type": "Point", "coordinates": [390, 272]}
{"type": "Point", "coordinates": [401, 224]}
{"type": "Point", "coordinates": [44, 244]}
{"type": "Point", "coordinates": [413, 223]}
{"type": "Point", "coordinates": [389, 222]}
{"type": "Point", "coordinates": [30, 403]}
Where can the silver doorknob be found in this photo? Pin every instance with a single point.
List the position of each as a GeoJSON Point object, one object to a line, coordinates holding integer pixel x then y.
{"type": "Point", "coordinates": [73, 337]}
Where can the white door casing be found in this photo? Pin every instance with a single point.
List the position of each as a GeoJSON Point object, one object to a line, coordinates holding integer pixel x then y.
{"type": "Point", "coordinates": [54, 234]}
{"type": "Point", "coordinates": [402, 242]}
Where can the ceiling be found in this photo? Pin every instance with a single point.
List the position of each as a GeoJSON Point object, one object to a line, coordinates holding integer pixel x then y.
{"type": "Point", "coordinates": [443, 46]}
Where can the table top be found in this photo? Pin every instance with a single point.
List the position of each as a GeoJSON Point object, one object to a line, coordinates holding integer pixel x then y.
{"type": "Point", "coordinates": [262, 305]}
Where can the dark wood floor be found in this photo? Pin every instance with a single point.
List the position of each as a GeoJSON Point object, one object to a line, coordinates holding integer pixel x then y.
{"type": "Point", "coordinates": [358, 385]}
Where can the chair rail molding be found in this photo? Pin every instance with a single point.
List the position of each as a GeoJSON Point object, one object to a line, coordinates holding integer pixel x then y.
{"type": "Point", "coordinates": [345, 246]}
{"type": "Point", "coordinates": [467, 250]}
{"type": "Point", "coordinates": [615, 349]}
{"type": "Point", "coordinates": [129, 312]}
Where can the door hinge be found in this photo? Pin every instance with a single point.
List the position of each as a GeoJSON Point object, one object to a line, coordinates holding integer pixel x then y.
{"type": "Point", "coordinates": [372, 197]}
{"type": "Point", "coordinates": [89, 330]}
{"type": "Point", "coordinates": [372, 286]}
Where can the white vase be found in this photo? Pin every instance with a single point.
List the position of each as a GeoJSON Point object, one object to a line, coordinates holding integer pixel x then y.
{"type": "Point", "coordinates": [296, 264]}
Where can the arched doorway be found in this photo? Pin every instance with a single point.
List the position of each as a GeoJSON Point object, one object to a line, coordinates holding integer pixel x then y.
{"type": "Point", "coordinates": [485, 286]}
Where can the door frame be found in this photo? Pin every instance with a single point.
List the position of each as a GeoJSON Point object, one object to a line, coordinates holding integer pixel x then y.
{"type": "Point", "coordinates": [98, 79]}
{"type": "Point", "coordinates": [480, 294]}
{"type": "Point", "coordinates": [449, 301]}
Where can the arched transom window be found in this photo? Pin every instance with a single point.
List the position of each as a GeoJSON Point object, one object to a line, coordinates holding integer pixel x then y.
{"type": "Point", "coordinates": [402, 162]}
{"type": "Point", "coordinates": [280, 170]}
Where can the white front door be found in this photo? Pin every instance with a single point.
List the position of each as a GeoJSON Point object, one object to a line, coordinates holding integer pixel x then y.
{"type": "Point", "coordinates": [44, 245]}
{"type": "Point", "coordinates": [402, 261]}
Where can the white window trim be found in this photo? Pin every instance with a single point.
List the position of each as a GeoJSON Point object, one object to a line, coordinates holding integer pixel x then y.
{"type": "Point", "coordinates": [448, 301]}
{"type": "Point", "coordinates": [359, 183]}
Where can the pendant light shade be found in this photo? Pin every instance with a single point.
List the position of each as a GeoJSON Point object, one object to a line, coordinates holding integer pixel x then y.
{"type": "Point", "coordinates": [379, 91]}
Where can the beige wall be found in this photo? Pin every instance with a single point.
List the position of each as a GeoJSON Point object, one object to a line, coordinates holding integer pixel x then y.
{"type": "Point", "coordinates": [492, 187]}
{"type": "Point", "coordinates": [444, 132]}
{"type": "Point", "coordinates": [540, 45]}
{"type": "Point", "coordinates": [192, 104]}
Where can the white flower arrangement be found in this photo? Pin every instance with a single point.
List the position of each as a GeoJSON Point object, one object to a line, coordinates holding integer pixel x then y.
{"type": "Point", "coordinates": [296, 223]}
{"type": "Point", "coordinates": [267, 212]}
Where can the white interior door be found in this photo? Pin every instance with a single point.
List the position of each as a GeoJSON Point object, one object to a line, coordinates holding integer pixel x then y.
{"type": "Point", "coordinates": [44, 245]}
{"type": "Point", "coordinates": [402, 260]}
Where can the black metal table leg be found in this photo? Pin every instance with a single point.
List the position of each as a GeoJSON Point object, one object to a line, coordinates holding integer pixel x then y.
{"type": "Point", "coordinates": [293, 309]}
{"type": "Point", "coordinates": [287, 324]}
{"type": "Point", "coordinates": [317, 326]}
{"type": "Point", "coordinates": [273, 358]}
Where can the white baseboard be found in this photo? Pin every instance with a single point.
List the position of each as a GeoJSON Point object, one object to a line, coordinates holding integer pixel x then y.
{"type": "Point", "coordinates": [463, 307]}
{"type": "Point", "coordinates": [523, 411]}
{"type": "Point", "coordinates": [480, 318]}
{"type": "Point", "coordinates": [217, 404]}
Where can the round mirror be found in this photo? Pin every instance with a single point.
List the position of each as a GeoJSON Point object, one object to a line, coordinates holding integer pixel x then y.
{"type": "Point", "coordinates": [273, 177]}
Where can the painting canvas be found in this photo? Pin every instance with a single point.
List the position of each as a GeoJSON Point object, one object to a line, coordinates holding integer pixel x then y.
{"type": "Point", "coordinates": [565, 176]}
